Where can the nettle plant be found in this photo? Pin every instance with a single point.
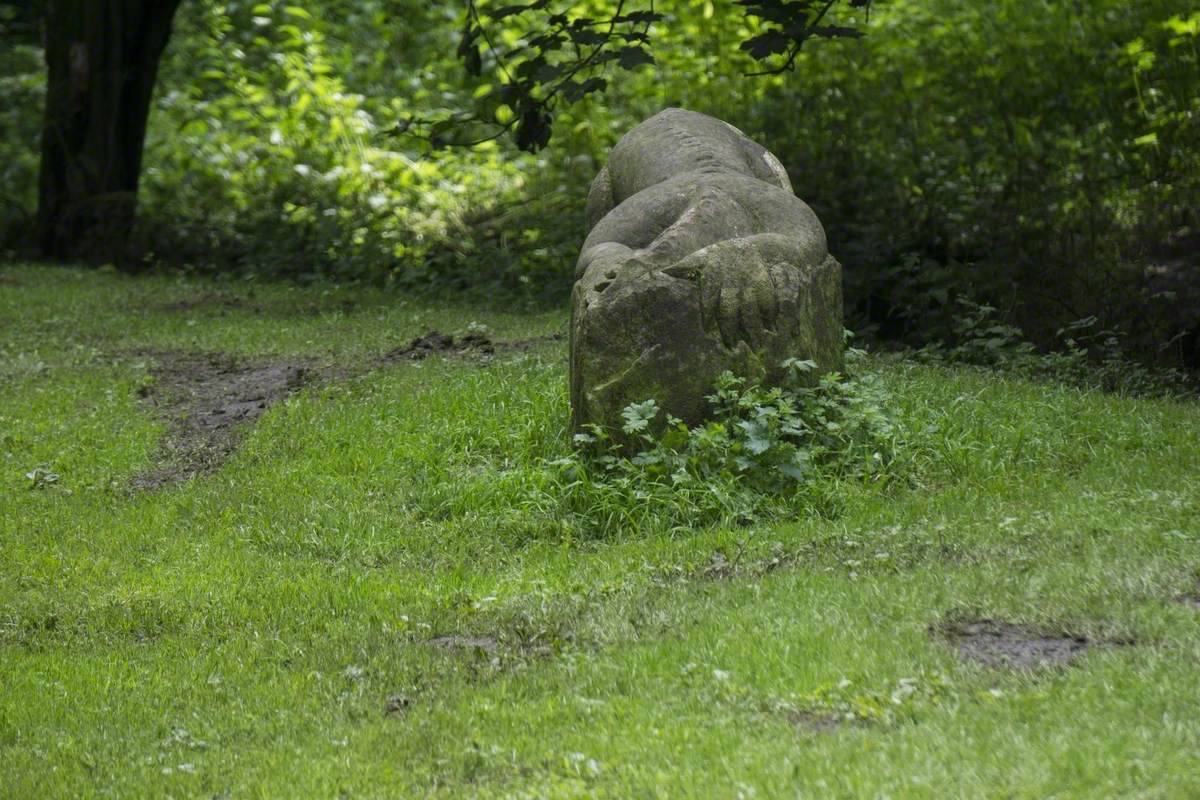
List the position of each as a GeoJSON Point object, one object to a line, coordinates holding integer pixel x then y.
{"type": "Point", "coordinates": [1085, 354]}
{"type": "Point", "coordinates": [767, 452]}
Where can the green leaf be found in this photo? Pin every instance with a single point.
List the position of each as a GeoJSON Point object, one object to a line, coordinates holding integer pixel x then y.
{"type": "Point", "coordinates": [637, 416]}
{"type": "Point", "coordinates": [585, 36]}
{"type": "Point", "coordinates": [631, 57]}
{"type": "Point", "coordinates": [574, 90]}
{"type": "Point", "coordinates": [792, 471]}
{"type": "Point", "coordinates": [758, 436]}
{"type": "Point", "coordinates": [1181, 27]}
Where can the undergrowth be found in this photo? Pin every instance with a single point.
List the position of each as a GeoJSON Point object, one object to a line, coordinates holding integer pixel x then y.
{"type": "Point", "coordinates": [772, 453]}
{"type": "Point", "coordinates": [767, 453]}
{"type": "Point", "coordinates": [1086, 356]}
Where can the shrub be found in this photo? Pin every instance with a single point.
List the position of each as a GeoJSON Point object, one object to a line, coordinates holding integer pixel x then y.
{"type": "Point", "coordinates": [1034, 155]}
{"type": "Point", "coordinates": [1085, 355]}
{"type": "Point", "coordinates": [22, 87]}
{"type": "Point", "coordinates": [766, 453]}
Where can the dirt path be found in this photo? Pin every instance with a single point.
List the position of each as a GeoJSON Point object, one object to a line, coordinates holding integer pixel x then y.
{"type": "Point", "coordinates": [209, 400]}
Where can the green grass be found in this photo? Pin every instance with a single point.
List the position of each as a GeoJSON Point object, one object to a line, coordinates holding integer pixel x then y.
{"type": "Point", "coordinates": [242, 634]}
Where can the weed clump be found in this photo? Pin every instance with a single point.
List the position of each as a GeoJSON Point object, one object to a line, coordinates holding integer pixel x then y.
{"type": "Point", "coordinates": [1086, 356]}
{"type": "Point", "coordinates": [766, 453]}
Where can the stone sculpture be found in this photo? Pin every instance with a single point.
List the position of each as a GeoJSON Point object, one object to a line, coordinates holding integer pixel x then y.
{"type": "Point", "coordinates": [698, 259]}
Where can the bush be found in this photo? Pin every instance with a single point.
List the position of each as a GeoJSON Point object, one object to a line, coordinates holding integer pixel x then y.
{"type": "Point", "coordinates": [766, 453]}
{"type": "Point", "coordinates": [22, 87]}
{"type": "Point", "coordinates": [1085, 355]}
{"type": "Point", "coordinates": [1035, 155]}
{"type": "Point", "coordinates": [260, 158]}
{"type": "Point", "coordinates": [1041, 157]}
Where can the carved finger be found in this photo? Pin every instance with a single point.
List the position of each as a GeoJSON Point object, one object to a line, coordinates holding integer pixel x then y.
{"type": "Point", "coordinates": [710, 299]}
{"type": "Point", "coordinates": [786, 280]}
{"type": "Point", "coordinates": [749, 312]}
{"type": "Point", "coordinates": [728, 317]}
{"type": "Point", "coordinates": [763, 292]}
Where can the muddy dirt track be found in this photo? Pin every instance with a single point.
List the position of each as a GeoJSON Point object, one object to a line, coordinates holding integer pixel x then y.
{"type": "Point", "coordinates": [209, 399]}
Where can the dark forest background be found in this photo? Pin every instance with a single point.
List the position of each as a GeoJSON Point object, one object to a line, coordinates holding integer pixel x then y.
{"type": "Point", "coordinates": [979, 167]}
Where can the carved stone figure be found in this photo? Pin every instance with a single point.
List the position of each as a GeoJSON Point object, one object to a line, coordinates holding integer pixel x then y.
{"type": "Point", "coordinates": [698, 259]}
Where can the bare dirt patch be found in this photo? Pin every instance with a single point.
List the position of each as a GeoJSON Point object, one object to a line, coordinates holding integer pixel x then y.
{"type": "Point", "coordinates": [435, 343]}
{"type": "Point", "coordinates": [476, 344]}
{"type": "Point", "coordinates": [208, 399]}
{"type": "Point", "coordinates": [999, 644]}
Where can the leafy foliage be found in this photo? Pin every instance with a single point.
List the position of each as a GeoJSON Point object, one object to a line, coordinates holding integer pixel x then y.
{"type": "Point", "coordinates": [22, 87]}
{"type": "Point", "coordinates": [562, 55]}
{"type": "Point", "coordinates": [1029, 154]}
{"type": "Point", "coordinates": [555, 58]}
{"type": "Point", "coordinates": [766, 453]}
{"type": "Point", "coordinates": [1041, 158]}
{"type": "Point", "coordinates": [271, 160]}
{"type": "Point", "coordinates": [791, 23]}
{"type": "Point", "coordinates": [1085, 355]}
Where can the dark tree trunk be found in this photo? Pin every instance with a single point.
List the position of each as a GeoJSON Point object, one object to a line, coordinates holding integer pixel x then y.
{"type": "Point", "coordinates": [102, 58]}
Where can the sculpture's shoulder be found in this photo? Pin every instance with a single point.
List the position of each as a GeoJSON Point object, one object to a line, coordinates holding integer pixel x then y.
{"type": "Point", "coordinates": [676, 141]}
{"type": "Point", "coordinates": [600, 199]}
{"type": "Point", "coordinates": [711, 206]}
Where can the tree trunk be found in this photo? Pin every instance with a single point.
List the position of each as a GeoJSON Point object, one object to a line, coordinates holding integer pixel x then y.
{"type": "Point", "coordinates": [102, 58]}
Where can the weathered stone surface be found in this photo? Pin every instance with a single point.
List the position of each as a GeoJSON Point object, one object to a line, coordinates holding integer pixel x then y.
{"type": "Point", "coordinates": [698, 259]}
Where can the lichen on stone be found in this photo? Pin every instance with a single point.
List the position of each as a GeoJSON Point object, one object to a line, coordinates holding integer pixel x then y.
{"type": "Point", "coordinates": [699, 259]}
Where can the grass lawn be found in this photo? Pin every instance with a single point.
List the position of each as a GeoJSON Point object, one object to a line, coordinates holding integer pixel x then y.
{"type": "Point", "coordinates": [373, 595]}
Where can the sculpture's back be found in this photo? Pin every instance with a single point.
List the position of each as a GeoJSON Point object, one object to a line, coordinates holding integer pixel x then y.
{"type": "Point", "coordinates": [699, 259]}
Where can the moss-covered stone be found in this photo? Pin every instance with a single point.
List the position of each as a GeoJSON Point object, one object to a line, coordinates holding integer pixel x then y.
{"type": "Point", "coordinates": [698, 259]}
